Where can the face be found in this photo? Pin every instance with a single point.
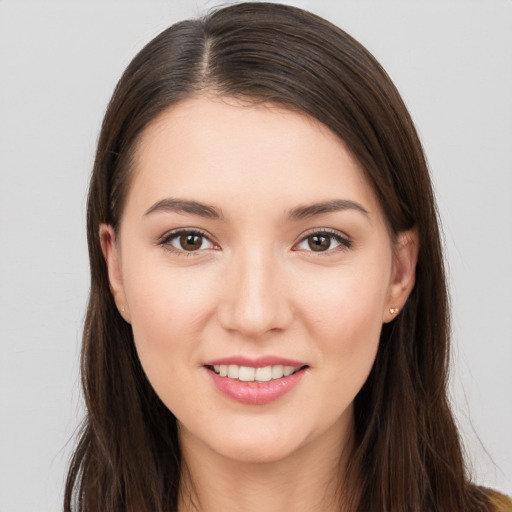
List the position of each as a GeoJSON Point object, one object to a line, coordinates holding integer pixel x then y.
{"type": "Point", "coordinates": [255, 266]}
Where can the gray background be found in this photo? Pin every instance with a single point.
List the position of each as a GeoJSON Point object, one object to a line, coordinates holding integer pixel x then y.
{"type": "Point", "coordinates": [59, 62]}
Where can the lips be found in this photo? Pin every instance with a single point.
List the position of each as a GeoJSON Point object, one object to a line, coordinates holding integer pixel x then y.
{"type": "Point", "coordinates": [257, 381]}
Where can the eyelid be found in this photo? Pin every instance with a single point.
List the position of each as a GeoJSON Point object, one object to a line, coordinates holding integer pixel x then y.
{"type": "Point", "coordinates": [165, 239]}
{"type": "Point", "coordinates": [345, 242]}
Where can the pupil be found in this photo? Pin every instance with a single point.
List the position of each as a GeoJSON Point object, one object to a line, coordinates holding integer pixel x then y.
{"type": "Point", "coordinates": [319, 242]}
{"type": "Point", "coordinates": [191, 242]}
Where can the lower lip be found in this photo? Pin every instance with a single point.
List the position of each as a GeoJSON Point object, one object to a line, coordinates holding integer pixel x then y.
{"type": "Point", "coordinates": [255, 393]}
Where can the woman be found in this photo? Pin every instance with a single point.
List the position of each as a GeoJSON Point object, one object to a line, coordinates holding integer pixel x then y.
{"type": "Point", "coordinates": [268, 323]}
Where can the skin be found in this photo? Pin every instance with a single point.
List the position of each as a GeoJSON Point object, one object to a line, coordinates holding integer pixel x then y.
{"type": "Point", "coordinates": [255, 287]}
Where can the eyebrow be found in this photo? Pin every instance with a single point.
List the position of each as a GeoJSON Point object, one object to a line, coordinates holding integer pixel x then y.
{"type": "Point", "coordinates": [211, 212]}
{"type": "Point", "coordinates": [334, 205]}
{"type": "Point", "coordinates": [186, 206]}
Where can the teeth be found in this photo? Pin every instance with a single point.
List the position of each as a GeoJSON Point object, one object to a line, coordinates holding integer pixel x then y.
{"type": "Point", "coordinates": [246, 374]}
{"type": "Point", "coordinates": [233, 371]}
{"type": "Point", "coordinates": [250, 374]}
{"type": "Point", "coordinates": [277, 371]}
{"type": "Point", "coordinates": [288, 370]}
{"type": "Point", "coordinates": [263, 374]}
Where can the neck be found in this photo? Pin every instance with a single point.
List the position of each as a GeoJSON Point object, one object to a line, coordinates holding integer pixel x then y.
{"type": "Point", "coordinates": [308, 480]}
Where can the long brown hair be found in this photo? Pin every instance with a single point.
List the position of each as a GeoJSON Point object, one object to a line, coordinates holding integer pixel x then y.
{"type": "Point", "coordinates": [407, 453]}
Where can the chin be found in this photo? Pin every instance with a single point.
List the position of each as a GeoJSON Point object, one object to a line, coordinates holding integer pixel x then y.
{"type": "Point", "coordinates": [258, 443]}
{"type": "Point", "coordinates": [258, 452]}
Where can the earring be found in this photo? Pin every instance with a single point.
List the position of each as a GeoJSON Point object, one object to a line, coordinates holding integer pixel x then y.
{"type": "Point", "coordinates": [122, 309]}
{"type": "Point", "coordinates": [394, 311]}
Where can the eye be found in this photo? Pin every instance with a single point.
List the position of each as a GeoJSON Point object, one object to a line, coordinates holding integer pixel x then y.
{"type": "Point", "coordinates": [324, 241]}
{"type": "Point", "coordinates": [187, 240]}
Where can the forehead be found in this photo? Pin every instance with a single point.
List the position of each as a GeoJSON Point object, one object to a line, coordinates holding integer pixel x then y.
{"type": "Point", "coordinates": [218, 149]}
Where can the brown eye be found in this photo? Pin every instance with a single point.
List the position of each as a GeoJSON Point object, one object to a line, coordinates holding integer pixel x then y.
{"type": "Point", "coordinates": [328, 241]}
{"type": "Point", "coordinates": [187, 241]}
{"type": "Point", "coordinates": [191, 242]}
{"type": "Point", "coordinates": [319, 243]}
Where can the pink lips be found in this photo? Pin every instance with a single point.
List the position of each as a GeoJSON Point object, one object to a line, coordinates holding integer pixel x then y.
{"type": "Point", "coordinates": [258, 362]}
{"type": "Point", "coordinates": [255, 393]}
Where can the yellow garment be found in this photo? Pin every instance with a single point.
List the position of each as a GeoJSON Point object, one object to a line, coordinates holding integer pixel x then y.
{"type": "Point", "coordinates": [500, 502]}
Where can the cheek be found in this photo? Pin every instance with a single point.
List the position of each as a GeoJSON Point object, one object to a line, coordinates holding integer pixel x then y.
{"type": "Point", "coordinates": [349, 338]}
{"type": "Point", "coordinates": [168, 310]}
{"type": "Point", "coordinates": [345, 320]}
{"type": "Point", "coordinates": [168, 315]}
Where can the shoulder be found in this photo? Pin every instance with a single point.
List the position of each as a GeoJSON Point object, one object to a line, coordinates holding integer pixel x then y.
{"type": "Point", "coordinates": [500, 502]}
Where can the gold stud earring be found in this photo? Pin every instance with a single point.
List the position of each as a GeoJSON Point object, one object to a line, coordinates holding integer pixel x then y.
{"type": "Point", "coordinates": [394, 311]}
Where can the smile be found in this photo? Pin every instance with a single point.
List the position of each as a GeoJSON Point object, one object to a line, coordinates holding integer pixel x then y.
{"type": "Point", "coordinates": [250, 374]}
{"type": "Point", "coordinates": [255, 381]}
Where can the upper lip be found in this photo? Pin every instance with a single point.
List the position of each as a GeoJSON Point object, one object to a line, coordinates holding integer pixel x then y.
{"type": "Point", "coordinates": [258, 362]}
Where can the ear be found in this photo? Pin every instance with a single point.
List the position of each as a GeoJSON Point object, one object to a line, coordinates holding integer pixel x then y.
{"type": "Point", "coordinates": [405, 257]}
{"type": "Point", "coordinates": [110, 251]}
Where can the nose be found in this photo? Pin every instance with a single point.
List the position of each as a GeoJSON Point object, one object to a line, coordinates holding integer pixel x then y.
{"type": "Point", "coordinates": [254, 298]}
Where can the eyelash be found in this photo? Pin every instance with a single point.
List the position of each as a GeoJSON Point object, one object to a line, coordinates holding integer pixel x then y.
{"type": "Point", "coordinates": [344, 242]}
{"type": "Point", "coordinates": [166, 240]}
